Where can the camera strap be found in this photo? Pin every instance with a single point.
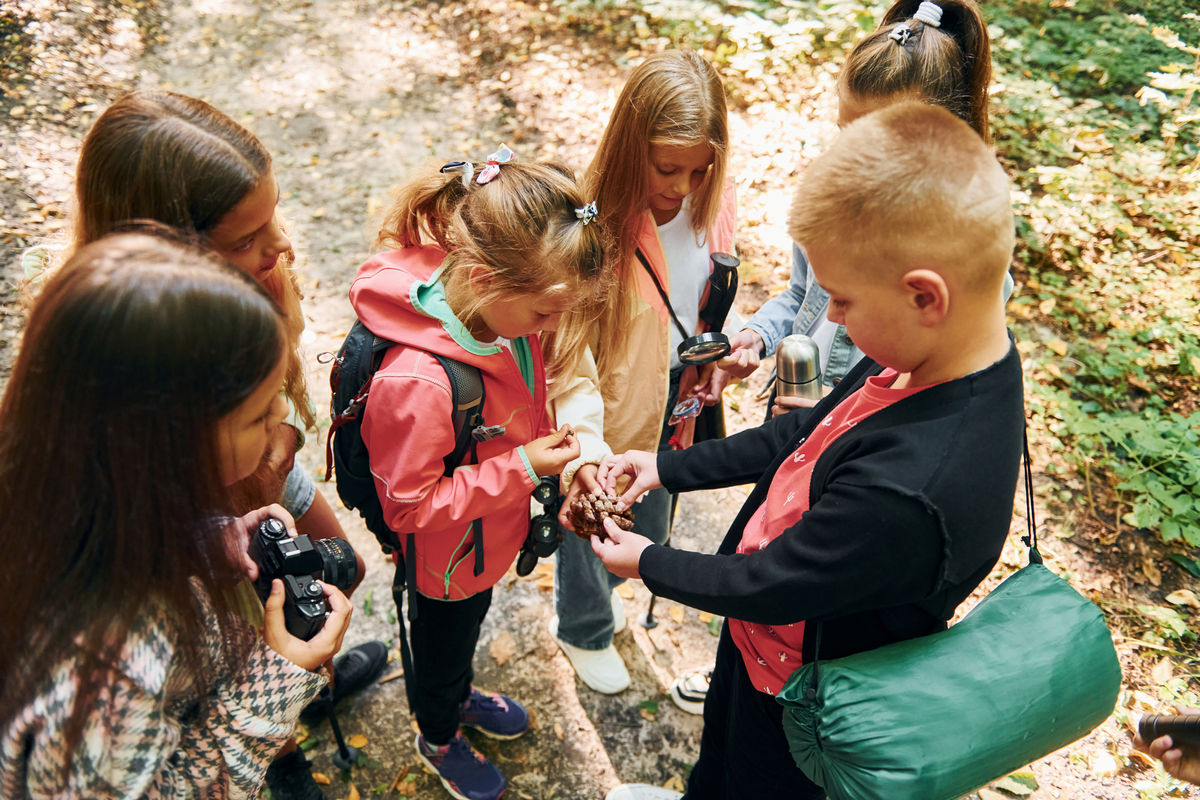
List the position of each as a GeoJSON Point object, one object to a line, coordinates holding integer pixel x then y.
{"type": "Point", "coordinates": [661, 293]}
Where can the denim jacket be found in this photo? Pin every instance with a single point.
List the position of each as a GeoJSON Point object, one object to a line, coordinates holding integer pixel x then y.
{"type": "Point", "coordinates": [800, 306]}
{"type": "Point", "coordinates": [795, 310]}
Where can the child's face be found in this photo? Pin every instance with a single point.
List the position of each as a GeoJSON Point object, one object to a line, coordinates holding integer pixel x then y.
{"type": "Point", "coordinates": [243, 433]}
{"type": "Point", "coordinates": [875, 308]}
{"type": "Point", "coordinates": [676, 172]}
{"type": "Point", "coordinates": [520, 315]}
{"type": "Point", "coordinates": [249, 236]}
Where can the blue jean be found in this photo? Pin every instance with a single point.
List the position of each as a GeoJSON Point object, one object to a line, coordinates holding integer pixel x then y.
{"type": "Point", "coordinates": [583, 587]}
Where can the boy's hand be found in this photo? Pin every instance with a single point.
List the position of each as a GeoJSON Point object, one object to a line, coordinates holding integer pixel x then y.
{"type": "Point", "coordinates": [785, 404]}
{"type": "Point", "coordinates": [584, 482]}
{"type": "Point", "coordinates": [242, 528]}
{"type": "Point", "coordinates": [621, 551]}
{"type": "Point", "coordinates": [740, 363]}
{"type": "Point", "coordinates": [640, 465]}
{"type": "Point", "coordinates": [317, 650]}
{"type": "Point", "coordinates": [1181, 763]}
{"type": "Point", "coordinates": [549, 454]}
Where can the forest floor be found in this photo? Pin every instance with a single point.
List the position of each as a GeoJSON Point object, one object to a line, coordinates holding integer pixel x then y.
{"type": "Point", "coordinates": [349, 97]}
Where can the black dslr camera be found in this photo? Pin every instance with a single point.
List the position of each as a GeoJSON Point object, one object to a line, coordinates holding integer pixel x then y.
{"type": "Point", "coordinates": [544, 532]}
{"type": "Point", "coordinates": [297, 562]}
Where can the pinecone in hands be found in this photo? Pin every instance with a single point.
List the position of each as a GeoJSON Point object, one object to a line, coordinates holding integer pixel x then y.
{"type": "Point", "coordinates": [589, 511]}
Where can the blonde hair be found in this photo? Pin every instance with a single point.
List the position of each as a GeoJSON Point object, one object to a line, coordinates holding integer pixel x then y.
{"type": "Point", "coordinates": [673, 99]}
{"type": "Point", "coordinates": [522, 226]}
{"type": "Point", "coordinates": [914, 183]}
{"type": "Point", "coordinates": [156, 156]}
{"type": "Point", "coordinates": [948, 65]}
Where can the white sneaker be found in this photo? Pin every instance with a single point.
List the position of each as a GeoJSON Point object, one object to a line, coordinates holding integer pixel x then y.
{"type": "Point", "coordinates": [691, 688]}
{"type": "Point", "coordinates": [641, 791]}
{"type": "Point", "coordinates": [618, 609]}
{"type": "Point", "coordinates": [602, 670]}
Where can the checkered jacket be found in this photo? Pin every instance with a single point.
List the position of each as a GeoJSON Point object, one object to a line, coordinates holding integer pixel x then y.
{"type": "Point", "coordinates": [147, 736]}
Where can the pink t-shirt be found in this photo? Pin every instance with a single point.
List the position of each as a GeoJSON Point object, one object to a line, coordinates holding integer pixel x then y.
{"type": "Point", "coordinates": [772, 653]}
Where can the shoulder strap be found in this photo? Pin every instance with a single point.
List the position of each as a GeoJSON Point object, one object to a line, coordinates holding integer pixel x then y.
{"type": "Point", "coordinates": [661, 293]}
{"type": "Point", "coordinates": [467, 394]}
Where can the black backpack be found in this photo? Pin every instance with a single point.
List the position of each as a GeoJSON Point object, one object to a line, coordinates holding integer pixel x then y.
{"type": "Point", "coordinates": [350, 380]}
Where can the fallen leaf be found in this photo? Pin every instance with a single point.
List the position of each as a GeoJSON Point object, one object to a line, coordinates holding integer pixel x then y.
{"type": "Point", "coordinates": [1103, 765]}
{"type": "Point", "coordinates": [1012, 786]}
{"type": "Point", "coordinates": [1057, 345]}
{"type": "Point", "coordinates": [353, 793]}
{"type": "Point", "coordinates": [992, 794]}
{"type": "Point", "coordinates": [1151, 571]}
{"type": "Point", "coordinates": [675, 784]}
{"type": "Point", "coordinates": [646, 715]}
{"type": "Point", "coordinates": [357, 741]}
{"type": "Point", "coordinates": [397, 674]}
{"type": "Point", "coordinates": [546, 582]}
{"type": "Point", "coordinates": [558, 731]}
{"type": "Point", "coordinates": [676, 613]}
{"type": "Point", "coordinates": [1183, 597]}
{"type": "Point", "coordinates": [1163, 670]}
{"type": "Point", "coordinates": [321, 778]}
{"type": "Point", "coordinates": [1145, 759]}
{"type": "Point", "coordinates": [705, 617]}
{"type": "Point", "coordinates": [302, 733]}
{"type": "Point", "coordinates": [416, 728]}
{"type": "Point", "coordinates": [320, 212]}
{"type": "Point", "coordinates": [625, 591]}
{"type": "Point", "coordinates": [502, 648]}
{"type": "Point", "coordinates": [400, 776]}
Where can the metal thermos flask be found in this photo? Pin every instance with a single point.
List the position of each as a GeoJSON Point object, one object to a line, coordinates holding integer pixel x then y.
{"type": "Point", "coordinates": [798, 368]}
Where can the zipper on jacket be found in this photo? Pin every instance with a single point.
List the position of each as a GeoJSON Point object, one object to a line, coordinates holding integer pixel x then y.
{"type": "Point", "coordinates": [453, 565]}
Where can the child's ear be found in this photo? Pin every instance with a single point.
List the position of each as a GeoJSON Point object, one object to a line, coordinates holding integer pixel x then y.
{"type": "Point", "coordinates": [928, 295]}
{"type": "Point", "coordinates": [479, 278]}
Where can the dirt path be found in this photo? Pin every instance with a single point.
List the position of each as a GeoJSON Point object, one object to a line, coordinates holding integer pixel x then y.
{"type": "Point", "coordinates": [349, 96]}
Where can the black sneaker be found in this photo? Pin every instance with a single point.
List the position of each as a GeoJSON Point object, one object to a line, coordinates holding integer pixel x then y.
{"type": "Point", "coordinates": [290, 778]}
{"type": "Point", "coordinates": [353, 671]}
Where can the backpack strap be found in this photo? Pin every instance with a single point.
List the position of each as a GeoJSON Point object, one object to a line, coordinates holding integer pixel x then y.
{"type": "Point", "coordinates": [467, 394]}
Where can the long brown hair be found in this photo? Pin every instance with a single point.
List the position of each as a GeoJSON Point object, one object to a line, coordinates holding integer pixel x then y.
{"type": "Point", "coordinates": [109, 465]}
{"type": "Point", "coordinates": [523, 226]}
{"type": "Point", "coordinates": [672, 99]}
{"type": "Point", "coordinates": [161, 156]}
{"type": "Point", "coordinates": [949, 65]}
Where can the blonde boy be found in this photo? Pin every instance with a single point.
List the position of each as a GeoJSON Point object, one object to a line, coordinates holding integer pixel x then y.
{"type": "Point", "coordinates": [877, 514]}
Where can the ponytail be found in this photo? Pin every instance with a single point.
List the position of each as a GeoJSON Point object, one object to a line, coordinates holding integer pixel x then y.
{"type": "Point", "coordinates": [940, 51]}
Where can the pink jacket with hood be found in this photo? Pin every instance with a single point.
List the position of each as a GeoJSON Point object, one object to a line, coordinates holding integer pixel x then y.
{"type": "Point", "coordinates": [408, 426]}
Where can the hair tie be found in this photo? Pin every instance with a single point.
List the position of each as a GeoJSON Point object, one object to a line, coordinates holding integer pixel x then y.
{"type": "Point", "coordinates": [929, 13]}
{"type": "Point", "coordinates": [501, 156]}
{"type": "Point", "coordinates": [462, 168]}
{"type": "Point", "coordinates": [587, 213]}
{"type": "Point", "coordinates": [900, 34]}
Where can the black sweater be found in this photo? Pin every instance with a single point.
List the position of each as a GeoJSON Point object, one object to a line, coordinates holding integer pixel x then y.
{"type": "Point", "coordinates": [908, 512]}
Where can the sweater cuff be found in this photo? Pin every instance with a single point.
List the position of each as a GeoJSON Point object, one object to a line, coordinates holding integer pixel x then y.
{"type": "Point", "coordinates": [667, 464]}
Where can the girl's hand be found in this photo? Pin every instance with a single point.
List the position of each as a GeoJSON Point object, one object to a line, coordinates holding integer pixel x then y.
{"type": "Point", "coordinates": [741, 362]}
{"type": "Point", "coordinates": [1181, 762]}
{"type": "Point", "coordinates": [243, 528]}
{"type": "Point", "coordinates": [642, 466]}
{"type": "Point", "coordinates": [317, 650]}
{"type": "Point", "coordinates": [621, 551]}
{"type": "Point", "coordinates": [785, 404]}
{"type": "Point", "coordinates": [549, 454]}
{"type": "Point", "coordinates": [584, 482]}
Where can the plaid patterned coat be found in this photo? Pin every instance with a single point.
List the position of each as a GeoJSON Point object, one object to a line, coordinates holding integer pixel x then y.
{"type": "Point", "coordinates": [147, 736]}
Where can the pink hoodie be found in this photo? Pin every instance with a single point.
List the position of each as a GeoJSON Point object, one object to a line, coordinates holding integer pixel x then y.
{"type": "Point", "coordinates": [408, 427]}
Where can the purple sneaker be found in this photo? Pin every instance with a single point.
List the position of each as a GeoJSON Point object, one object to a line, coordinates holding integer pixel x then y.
{"type": "Point", "coordinates": [494, 715]}
{"type": "Point", "coordinates": [464, 772]}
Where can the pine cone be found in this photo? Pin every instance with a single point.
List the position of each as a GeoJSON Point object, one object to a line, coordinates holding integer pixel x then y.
{"type": "Point", "coordinates": [589, 511]}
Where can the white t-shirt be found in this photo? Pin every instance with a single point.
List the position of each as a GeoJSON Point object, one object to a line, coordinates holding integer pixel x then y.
{"type": "Point", "coordinates": [688, 266]}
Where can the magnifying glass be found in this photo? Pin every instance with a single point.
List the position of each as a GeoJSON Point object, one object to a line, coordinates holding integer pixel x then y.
{"type": "Point", "coordinates": [704, 348]}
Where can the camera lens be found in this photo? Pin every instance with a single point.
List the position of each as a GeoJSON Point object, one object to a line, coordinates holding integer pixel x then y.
{"type": "Point", "coordinates": [339, 566]}
{"type": "Point", "coordinates": [544, 531]}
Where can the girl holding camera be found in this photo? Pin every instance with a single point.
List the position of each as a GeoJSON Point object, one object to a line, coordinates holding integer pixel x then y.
{"type": "Point", "coordinates": [132, 671]}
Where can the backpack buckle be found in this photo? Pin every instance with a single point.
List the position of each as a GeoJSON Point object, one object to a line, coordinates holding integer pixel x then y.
{"type": "Point", "coordinates": [485, 433]}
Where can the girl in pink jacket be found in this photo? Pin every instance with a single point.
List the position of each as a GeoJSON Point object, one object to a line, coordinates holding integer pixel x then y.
{"type": "Point", "coordinates": [489, 255]}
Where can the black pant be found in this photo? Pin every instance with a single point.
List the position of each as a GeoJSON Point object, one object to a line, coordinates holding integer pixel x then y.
{"type": "Point", "coordinates": [443, 644]}
{"type": "Point", "coordinates": [743, 750]}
